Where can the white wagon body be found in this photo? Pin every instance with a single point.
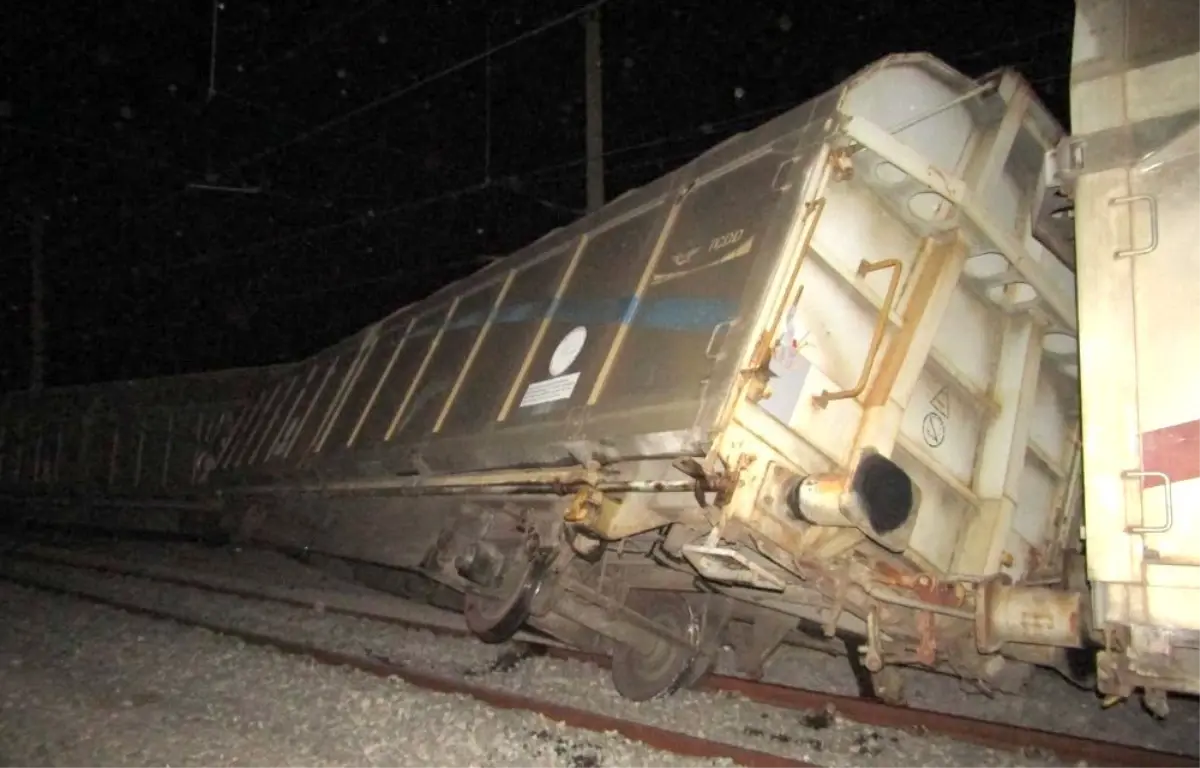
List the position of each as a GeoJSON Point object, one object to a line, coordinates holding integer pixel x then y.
{"type": "Point", "coordinates": [1134, 165]}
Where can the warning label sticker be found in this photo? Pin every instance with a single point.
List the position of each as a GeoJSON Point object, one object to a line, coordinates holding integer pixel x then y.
{"type": "Point", "coordinates": [550, 390]}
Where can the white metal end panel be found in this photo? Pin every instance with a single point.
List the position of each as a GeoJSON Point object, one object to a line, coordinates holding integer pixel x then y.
{"type": "Point", "coordinates": [1166, 307]}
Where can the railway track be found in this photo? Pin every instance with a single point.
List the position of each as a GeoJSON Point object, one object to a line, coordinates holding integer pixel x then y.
{"type": "Point", "coordinates": [659, 738]}
{"type": "Point", "coordinates": [385, 608]}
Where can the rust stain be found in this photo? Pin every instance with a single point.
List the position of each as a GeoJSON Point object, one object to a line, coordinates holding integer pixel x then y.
{"type": "Point", "coordinates": [1033, 560]}
{"type": "Point", "coordinates": [842, 165]}
{"type": "Point", "coordinates": [891, 574]}
{"type": "Point", "coordinates": [922, 585]}
{"type": "Point", "coordinates": [762, 351]}
{"type": "Point", "coordinates": [927, 648]}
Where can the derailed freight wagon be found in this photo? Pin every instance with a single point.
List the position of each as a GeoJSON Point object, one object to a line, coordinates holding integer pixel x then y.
{"type": "Point", "coordinates": [823, 372]}
{"type": "Point", "coordinates": [124, 454]}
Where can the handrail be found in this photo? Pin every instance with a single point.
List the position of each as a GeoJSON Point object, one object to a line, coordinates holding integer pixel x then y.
{"type": "Point", "coordinates": [865, 268]}
{"type": "Point", "coordinates": [1169, 513]}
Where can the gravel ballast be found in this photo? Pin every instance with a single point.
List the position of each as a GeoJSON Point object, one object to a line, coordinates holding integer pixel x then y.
{"type": "Point", "coordinates": [1048, 702]}
{"type": "Point", "coordinates": [814, 737]}
{"type": "Point", "coordinates": [89, 685]}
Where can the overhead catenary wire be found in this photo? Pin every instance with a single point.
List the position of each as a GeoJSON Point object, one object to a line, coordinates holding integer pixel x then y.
{"type": "Point", "coordinates": [303, 236]}
{"type": "Point", "coordinates": [402, 91]}
{"type": "Point", "coordinates": [359, 217]}
{"type": "Point", "coordinates": [704, 129]}
{"type": "Point", "coordinates": [409, 272]}
{"type": "Point", "coordinates": [531, 175]}
{"type": "Point", "coordinates": [485, 56]}
{"type": "Point", "coordinates": [528, 182]}
{"type": "Point", "coordinates": [393, 95]}
{"type": "Point", "coordinates": [534, 174]}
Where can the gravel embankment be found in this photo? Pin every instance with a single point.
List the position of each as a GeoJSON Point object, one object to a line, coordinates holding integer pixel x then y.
{"type": "Point", "coordinates": [814, 737]}
{"type": "Point", "coordinates": [89, 685]}
{"type": "Point", "coordinates": [1048, 702]}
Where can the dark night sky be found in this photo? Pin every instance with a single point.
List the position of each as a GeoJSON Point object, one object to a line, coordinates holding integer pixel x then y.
{"type": "Point", "coordinates": [375, 184]}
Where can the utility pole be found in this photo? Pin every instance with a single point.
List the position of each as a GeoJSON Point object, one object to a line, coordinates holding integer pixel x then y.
{"type": "Point", "coordinates": [593, 73]}
{"type": "Point", "coordinates": [37, 296]}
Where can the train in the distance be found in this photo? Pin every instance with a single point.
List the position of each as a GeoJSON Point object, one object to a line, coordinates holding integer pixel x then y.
{"type": "Point", "coordinates": [907, 362]}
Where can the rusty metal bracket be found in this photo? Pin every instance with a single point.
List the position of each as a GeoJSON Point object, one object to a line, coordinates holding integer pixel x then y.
{"type": "Point", "coordinates": [872, 652]}
{"type": "Point", "coordinates": [841, 165]}
{"type": "Point", "coordinates": [584, 505]}
{"type": "Point", "coordinates": [842, 588]}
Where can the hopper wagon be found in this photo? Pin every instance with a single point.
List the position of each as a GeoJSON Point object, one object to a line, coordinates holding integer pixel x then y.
{"type": "Point", "coordinates": [828, 373]}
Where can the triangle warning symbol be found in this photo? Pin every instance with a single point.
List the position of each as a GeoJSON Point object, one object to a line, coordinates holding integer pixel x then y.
{"type": "Point", "coordinates": [941, 402]}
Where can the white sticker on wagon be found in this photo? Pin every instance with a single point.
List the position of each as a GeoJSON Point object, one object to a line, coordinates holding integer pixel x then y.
{"type": "Point", "coordinates": [567, 351]}
{"type": "Point", "coordinates": [550, 390]}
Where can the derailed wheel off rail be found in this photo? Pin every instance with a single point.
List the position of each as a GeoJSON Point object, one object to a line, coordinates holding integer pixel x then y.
{"type": "Point", "coordinates": [659, 738]}
{"type": "Point", "coordinates": [393, 610]}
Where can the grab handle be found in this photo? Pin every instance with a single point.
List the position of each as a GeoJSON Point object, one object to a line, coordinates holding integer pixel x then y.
{"type": "Point", "coordinates": [1169, 511]}
{"type": "Point", "coordinates": [865, 268]}
{"type": "Point", "coordinates": [1152, 206]}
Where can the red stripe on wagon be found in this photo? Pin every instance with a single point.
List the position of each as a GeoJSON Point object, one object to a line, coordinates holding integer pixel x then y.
{"type": "Point", "coordinates": [1174, 451]}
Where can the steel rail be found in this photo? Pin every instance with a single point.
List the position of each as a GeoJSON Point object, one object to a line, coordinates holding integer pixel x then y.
{"type": "Point", "coordinates": [652, 736]}
{"type": "Point", "coordinates": [863, 710]}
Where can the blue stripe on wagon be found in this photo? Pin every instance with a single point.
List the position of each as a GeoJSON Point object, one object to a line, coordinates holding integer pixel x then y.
{"type": "Point", "coordinates": [681, 314]}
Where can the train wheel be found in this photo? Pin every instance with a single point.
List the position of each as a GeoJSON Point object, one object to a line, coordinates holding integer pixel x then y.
{"type": "Point", "coordinates": [888, 686]}
{"type": "Point", "coordinates": [496, 617]}
{"type": "Point", "coordinates": [665, 667]}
